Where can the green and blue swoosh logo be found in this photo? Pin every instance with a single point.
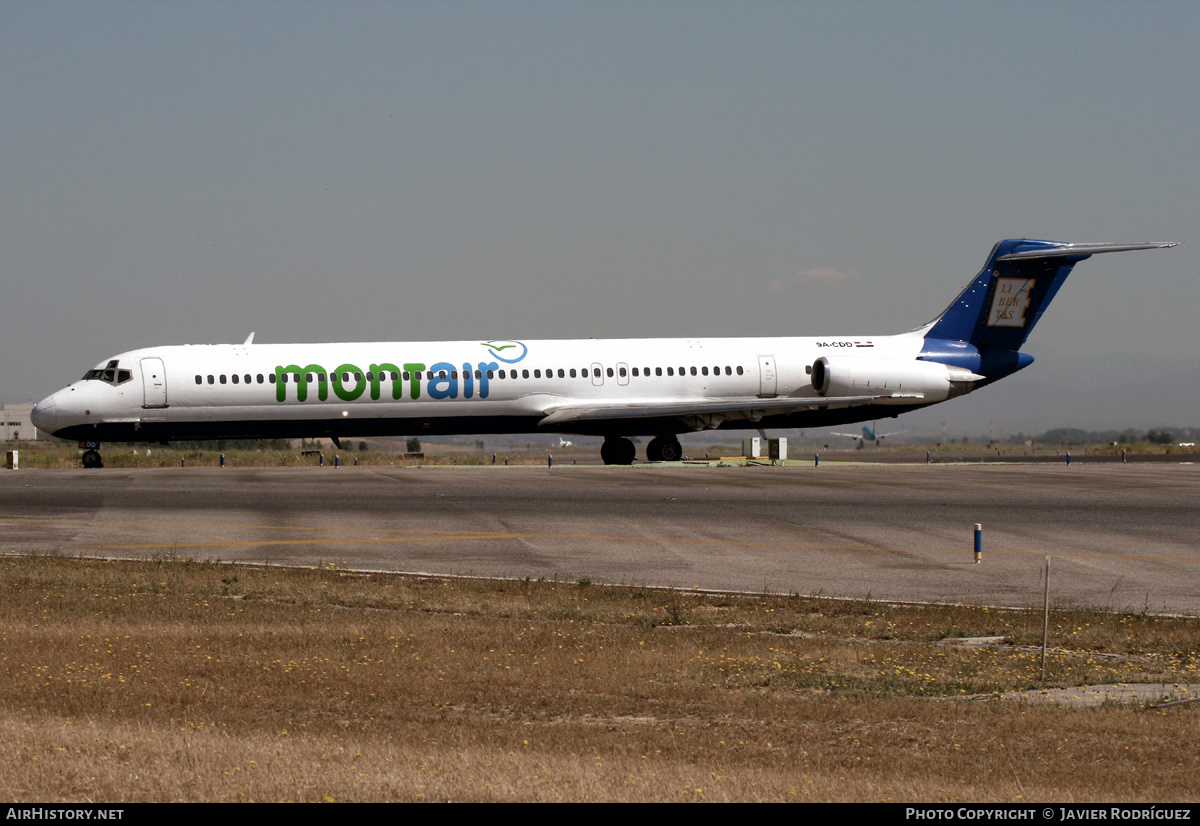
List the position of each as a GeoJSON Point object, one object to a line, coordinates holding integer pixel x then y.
{"type": "Point", "coordinates": [509, 352]}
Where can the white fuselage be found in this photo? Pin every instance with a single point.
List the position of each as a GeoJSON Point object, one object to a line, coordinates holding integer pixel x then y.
{"type": "Point", "coordinates": [397, 388]}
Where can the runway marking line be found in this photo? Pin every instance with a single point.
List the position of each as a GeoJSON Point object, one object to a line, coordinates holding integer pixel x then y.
{"type": "Point", "coordinates": [433, 536]}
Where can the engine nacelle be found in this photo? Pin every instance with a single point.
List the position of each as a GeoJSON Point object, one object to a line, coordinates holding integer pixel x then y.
{"type": "Point", "coordinates": [932, 381]}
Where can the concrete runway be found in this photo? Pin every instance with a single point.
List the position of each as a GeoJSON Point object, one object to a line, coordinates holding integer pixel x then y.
{"type": "Point", "coordinates": [1121, 536]}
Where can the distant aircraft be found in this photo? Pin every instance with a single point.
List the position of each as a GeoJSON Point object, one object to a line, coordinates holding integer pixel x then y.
{"type": "Point", "coordinates": [563, 442]}
{"type": "Point", "coordinates": [616, 388]}
{"type": "Point", "coordinates": [869, 435]}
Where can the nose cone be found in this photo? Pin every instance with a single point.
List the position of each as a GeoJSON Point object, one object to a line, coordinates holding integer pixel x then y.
{"type": "Point", "coordinates": [45, 415]}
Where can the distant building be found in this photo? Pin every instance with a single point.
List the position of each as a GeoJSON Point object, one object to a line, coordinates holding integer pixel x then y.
{"type": "Point", "coordinates": [16, 425]}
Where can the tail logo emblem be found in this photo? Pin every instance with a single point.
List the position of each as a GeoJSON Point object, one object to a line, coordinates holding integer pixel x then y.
{"type": "Point", "coordinates": [1010, 302]}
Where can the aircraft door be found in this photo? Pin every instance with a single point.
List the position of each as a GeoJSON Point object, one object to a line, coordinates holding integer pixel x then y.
{"type": "Point", "coordinates": [154, 383]}
{"type": "Point", "coordinates": [622, 373]}
{"type": "Point", "coordinates": [768, 377]}
{"type": "Point", "coordinates": [597, 374]}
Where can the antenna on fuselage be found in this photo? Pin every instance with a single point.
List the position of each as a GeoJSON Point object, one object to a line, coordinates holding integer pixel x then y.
{"type": "Point", "coordinates": [249, 340]}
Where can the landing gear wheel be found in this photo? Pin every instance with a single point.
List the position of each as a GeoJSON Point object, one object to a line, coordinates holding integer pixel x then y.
{"type": "Point", "coordinates": [664, 449]}
{"type": "Point", "coordinates": [91, 459]}
{"type": "Point", "coordinates": [654, 450]}
{"type": "Point", "coordinates": [671, 450]}
{"type": "Point", "coordinates": [617, 452]}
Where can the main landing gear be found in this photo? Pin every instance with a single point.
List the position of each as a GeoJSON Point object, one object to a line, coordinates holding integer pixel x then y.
{"type": "Point", "coordinates": [617, 451]}
{"type": "Point", "coordinates": [664, 449]}
{"type": "Point", "coordinates": [620, 451]}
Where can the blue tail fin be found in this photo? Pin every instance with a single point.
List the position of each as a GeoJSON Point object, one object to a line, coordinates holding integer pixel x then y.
{"type": "Point", "coordinates": [1000, 307]}
{"type": "Point", "coordinates": [990, 320]}
{"type": "Point", "coordinates": [1002, 304]}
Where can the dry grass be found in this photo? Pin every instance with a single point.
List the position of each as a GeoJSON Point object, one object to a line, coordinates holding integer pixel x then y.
{"type": "Point", "coordinates": [179, 680]}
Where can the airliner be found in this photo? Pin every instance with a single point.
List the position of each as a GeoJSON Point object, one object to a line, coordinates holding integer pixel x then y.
{"type": "Point", "coordinates": [869, 434]}
{"type": "Point", "coordinates": [618, 388]}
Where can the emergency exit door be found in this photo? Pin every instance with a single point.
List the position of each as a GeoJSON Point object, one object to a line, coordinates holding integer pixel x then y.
{"type": "Point", "coordinates": [768, 381]}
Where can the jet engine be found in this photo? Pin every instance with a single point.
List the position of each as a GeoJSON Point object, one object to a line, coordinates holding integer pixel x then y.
{"type": "Point", "coordinates": [927, 380]}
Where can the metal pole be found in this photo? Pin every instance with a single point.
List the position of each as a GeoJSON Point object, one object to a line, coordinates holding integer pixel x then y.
{"type": "Point", "coordinates": [1045, 618]}
{"type": "Point", "coordinates": [978, 543]}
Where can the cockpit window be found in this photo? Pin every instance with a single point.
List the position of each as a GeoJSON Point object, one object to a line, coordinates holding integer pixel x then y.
{"type": "Point", "coordinates": [109, 373]}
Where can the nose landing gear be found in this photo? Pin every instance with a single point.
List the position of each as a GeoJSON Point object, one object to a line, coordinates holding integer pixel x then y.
{"type": "Point", "coordinates": [91, 456]}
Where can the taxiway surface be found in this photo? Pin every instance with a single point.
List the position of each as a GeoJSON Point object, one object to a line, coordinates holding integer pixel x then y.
{"type": "Point", "coordinates": [1124, 537]}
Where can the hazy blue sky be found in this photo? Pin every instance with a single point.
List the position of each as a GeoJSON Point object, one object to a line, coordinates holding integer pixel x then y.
{"type": "Point", "coordinates": [191, 171]}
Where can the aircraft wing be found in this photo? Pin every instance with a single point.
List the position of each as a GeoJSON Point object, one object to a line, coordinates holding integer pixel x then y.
{"type": "Point", "coordinates": [751, 408]}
